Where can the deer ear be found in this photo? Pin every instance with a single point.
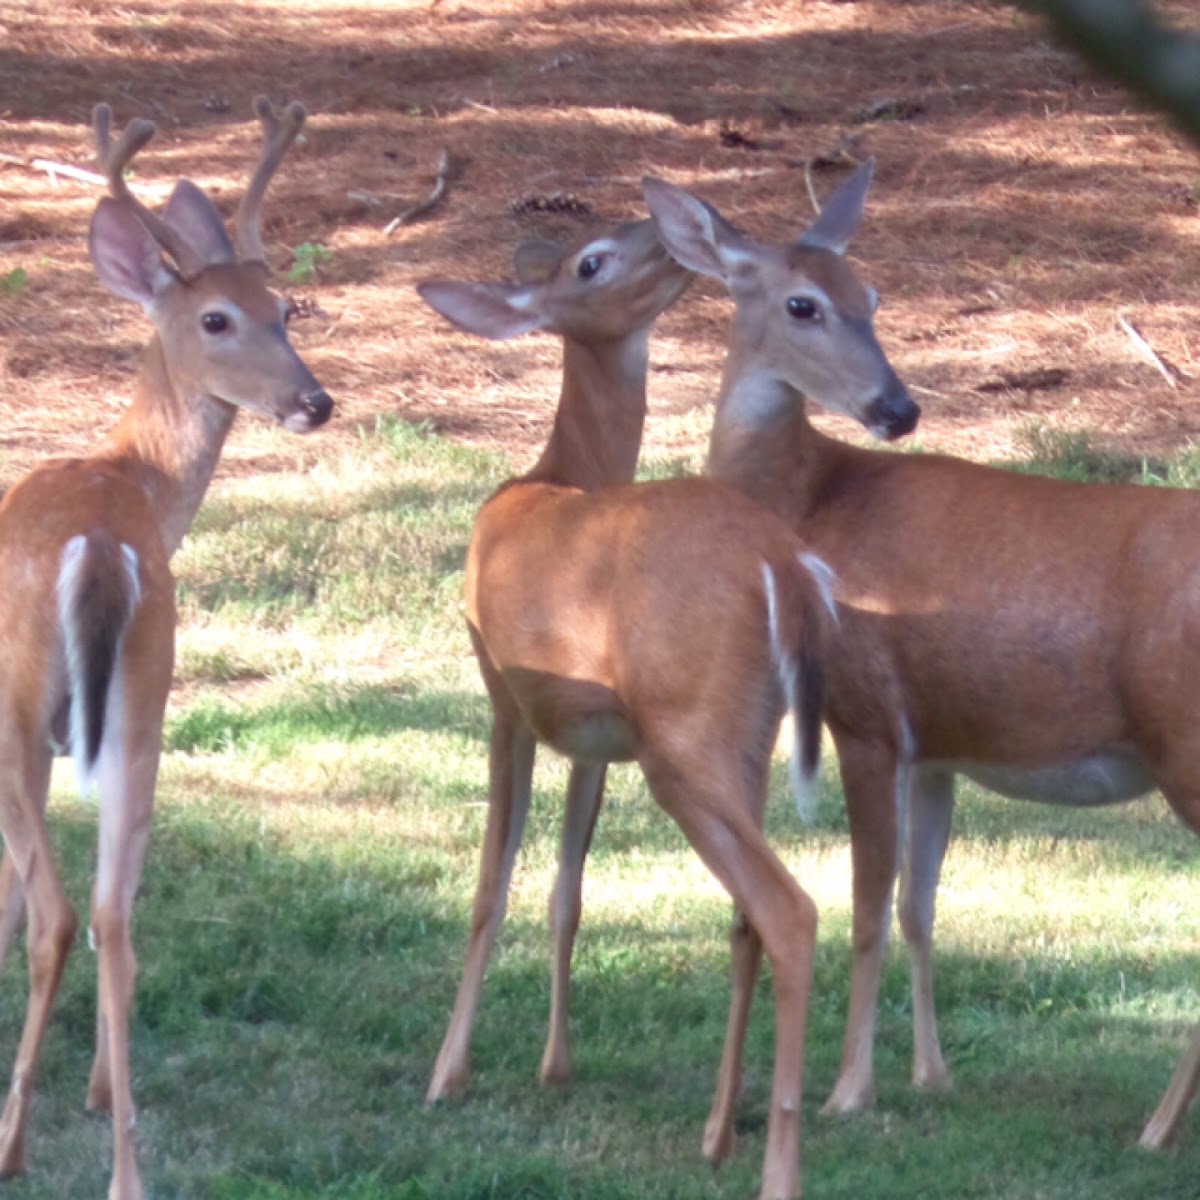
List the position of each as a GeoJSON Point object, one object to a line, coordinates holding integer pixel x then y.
{"type": "Point", "coordinates": [491, 310]}
{"type": "Point", "coordinates": [125, 255]}
{"type": "Point", "coordinates": [694, 233]}
{"type": "Point", "coordinates": [842, 213]}
{"type": "Point", "coordinates": [537, 260]}
{"type": "Point", "coordinates": [194, 217]}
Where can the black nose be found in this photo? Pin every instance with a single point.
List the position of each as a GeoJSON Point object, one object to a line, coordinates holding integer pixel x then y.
{"type": "Point", "coordinates": [894, 413]}
{"type": "Point", "coordinates": [313, 409]}
{"type": "Point", "coordinates": [320, 404]}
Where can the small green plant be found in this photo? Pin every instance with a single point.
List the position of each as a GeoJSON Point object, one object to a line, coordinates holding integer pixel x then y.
{"type": "Point", "coordinates": [1071, 454]}
{"type": "Point", "coordinates": [14, 283]}
{"type": "Point", "coordinates": [309, 257]}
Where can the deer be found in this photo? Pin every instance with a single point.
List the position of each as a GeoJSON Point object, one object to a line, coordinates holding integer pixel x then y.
{"type": "Point", "coordinates": [85, 549]}
{"type": "Point", "coordinates": [586, 600]}
{"type": "Point", "coordinates": [1038, 636]}
{"type": "Point", "coordinates": [839, 361]}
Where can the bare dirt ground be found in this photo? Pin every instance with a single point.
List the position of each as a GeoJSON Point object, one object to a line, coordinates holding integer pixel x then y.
{"type": "Point", "coordinates": [1022, 203]}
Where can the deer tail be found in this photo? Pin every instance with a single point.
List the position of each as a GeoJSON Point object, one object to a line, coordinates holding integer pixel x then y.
{"type": "Point", "coordinates": [798, 626]}
{"type": "Point", "coordinates": [98, 592]}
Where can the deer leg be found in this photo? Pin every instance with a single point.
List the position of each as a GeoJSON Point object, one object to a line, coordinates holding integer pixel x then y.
{"type": "Point", "coordinates": [585, 792]}
{"type": "Point", "coordinates": [12, 906]}
{"type": "Point", "coordinates": [12, 894]}
{"type": "Point", "coordinates": [51, 931]}
{"type": "Point", "coordinates": [719, 824]}
{"type": "Point", "coordinates": [745, 949]}
{"type": "Point", "coordinates": [931, 806]}
{"type": "Point", "coordinates": [128, 768]}
{"type": "Point", "coordinates": [745, 954]}
{"type": "Point", "coordinates": [510, 770]}
{"type": "Point", "coordinates": [1164, 1124]}
{"type": "Point", "coordinates": [1181, 789]}
{"type": "Point", "coordinates": [876, 787]}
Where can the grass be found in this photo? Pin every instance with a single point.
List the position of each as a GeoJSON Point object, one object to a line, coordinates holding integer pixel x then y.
{"type": "Point", "coordinates": [306, 899]}
{"type": "Point", "coordinates": [1073, 454]}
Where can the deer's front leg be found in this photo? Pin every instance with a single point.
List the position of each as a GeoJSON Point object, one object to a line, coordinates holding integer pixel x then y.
{"type": "Point", "coordinates": [876, 784]}
{"type": "Point", "coordinates": [585, 792]}
{"type": "Point", "coordinates": [930, 809]}
{"type": "Point", "coordinates": [510, 770]}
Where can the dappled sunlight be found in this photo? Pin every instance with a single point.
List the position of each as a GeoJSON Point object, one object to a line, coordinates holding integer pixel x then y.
{"type": "Point", "coordinates": [323, 792]}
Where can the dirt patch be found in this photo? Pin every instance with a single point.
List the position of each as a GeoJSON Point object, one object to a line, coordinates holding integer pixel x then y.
{"type": "Point", "coordinates": [1022, 204]}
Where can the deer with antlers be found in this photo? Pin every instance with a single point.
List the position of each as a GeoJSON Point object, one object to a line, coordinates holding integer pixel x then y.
{"type": "Point", "coordinates": [1038, 636]}
{"type": "Point", "coordinates": [664, 623]}
{"type": "Point", "coordinates": [85, 546]}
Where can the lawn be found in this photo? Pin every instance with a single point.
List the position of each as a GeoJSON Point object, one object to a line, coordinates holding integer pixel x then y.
{"type": "Point", "coordinates": [307, 892]}
{"type": "Point", "coordinates": [306, 899]}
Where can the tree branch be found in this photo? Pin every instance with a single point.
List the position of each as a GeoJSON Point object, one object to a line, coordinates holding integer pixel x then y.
{"type": "Point", "coordinates": [1126, 39]}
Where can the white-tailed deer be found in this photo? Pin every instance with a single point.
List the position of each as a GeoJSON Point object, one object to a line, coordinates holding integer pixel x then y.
{"type": "Point", "coordinates": [1038, 636]}
{"type": "Point", "coordinates": [587, 610]}
{"type": "Point", "coordinates": [85, 545]}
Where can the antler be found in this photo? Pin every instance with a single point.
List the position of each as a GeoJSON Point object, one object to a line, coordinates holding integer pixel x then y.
{"type": "Point", "coordinates": [113, 158]}
{"type": "Point", "coordinates": [278, 135]}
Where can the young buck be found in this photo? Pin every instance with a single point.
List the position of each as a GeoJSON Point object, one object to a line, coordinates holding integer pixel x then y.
{"type": "Point", "coordinates": [587, 608]}
{"type": "Point", "coordinates": [1038, 636]}
{"type": "Point", "coordinates": [91, 668]}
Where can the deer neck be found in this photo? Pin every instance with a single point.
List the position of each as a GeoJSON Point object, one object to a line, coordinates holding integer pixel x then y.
{"type": "Point", "coordinates": [170, 442]}
{"type": "Point", "coordinates": [601, 413]}
{"type": "Point", "coordinates": [763, 443]}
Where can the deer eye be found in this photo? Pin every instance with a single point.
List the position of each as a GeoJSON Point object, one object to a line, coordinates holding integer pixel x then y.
{"type": "Point", "coordinates": [589, 265]}
{"type": "Point", "coordinates": [214, 322]}
{"type": "Point", "coordinates": [802, 308]}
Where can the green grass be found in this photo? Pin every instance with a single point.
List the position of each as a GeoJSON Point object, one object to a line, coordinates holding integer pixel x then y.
{"type": "Point", "coordinates": [306, 899]}
{"type": "Point", "coordinates": [1073, 454]}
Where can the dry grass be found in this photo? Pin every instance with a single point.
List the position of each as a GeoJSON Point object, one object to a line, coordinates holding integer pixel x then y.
{"type": "Point", "coordinates": [1021, 203]}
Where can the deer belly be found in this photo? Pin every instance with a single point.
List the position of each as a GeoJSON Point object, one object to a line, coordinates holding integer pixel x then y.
{"type": "Point", "coordinates": [577, 717]}
{"type": "Point", "coordinates": [604, 737]}
{"type": "Point", "coordinates": [1107, 777]}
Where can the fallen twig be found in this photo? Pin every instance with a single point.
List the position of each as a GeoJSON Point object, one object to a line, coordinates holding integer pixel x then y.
{"type": "Point", "coordinates": [78, 173]}
{"type": "Point", "coordinates": [439, 190]}
{"type": "Point", "coordinates": [1144, 348]}
{"type": "Point", "coordinates": [844, 153]}
{"type": "Point", "coordinates": [54, 169]}
{"type": "Point", "coordinates": [808, 183]}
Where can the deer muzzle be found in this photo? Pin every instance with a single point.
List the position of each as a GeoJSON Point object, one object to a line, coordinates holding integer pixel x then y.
{"type": "Point", "coordinates": [311, 411]}
{"type": "Point", "coordinates": [893, 413]}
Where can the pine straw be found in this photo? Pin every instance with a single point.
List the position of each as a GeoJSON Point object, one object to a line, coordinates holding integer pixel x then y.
{"type": "Point", "coordinates": [1018, 209]}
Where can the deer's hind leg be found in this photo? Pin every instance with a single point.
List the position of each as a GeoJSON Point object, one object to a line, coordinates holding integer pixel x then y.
{"type": "Point", "coordinates": [52, 922]}
{"type": "Point", "coordinates": [745, 956]}
{"type": "Point", "coordinates": [708, 802]}
{"type": "Point", "coordinates": [1179, 779]}
{"type": "Point", "coordinates": [876, 785]}
{"type": "Point", "coordinates": [127, 773]}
